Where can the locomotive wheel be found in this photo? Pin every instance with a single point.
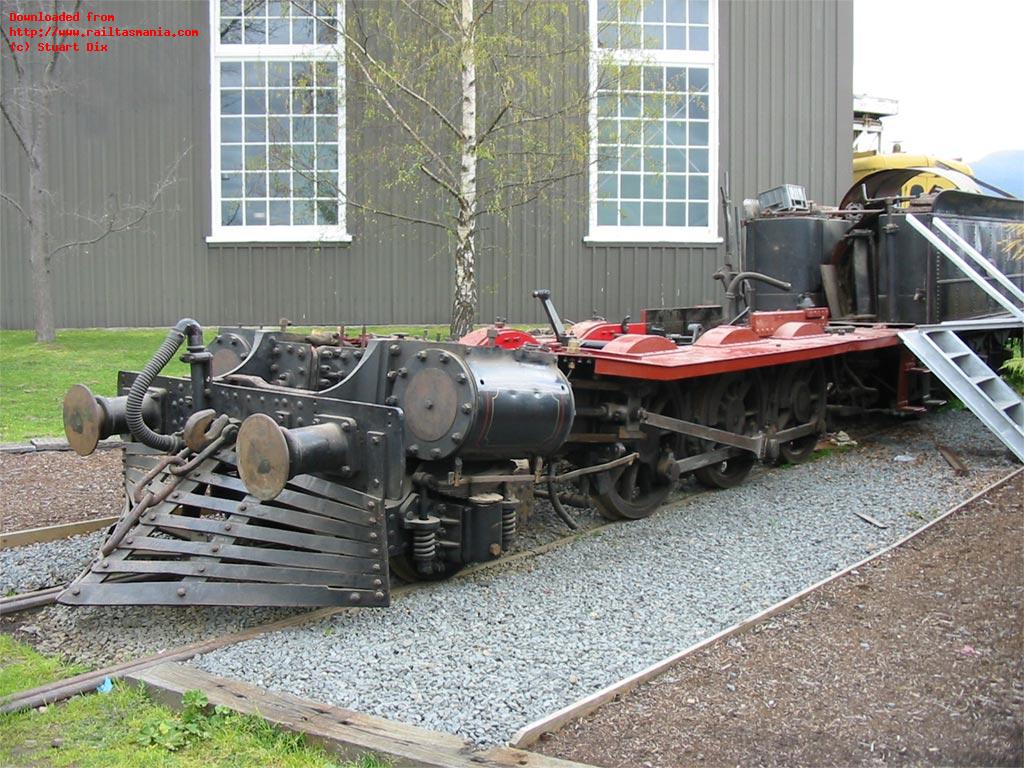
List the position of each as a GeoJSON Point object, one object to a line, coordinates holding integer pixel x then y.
{"type": "Point", "coordinates": [801, 393]}
{"type": "Point", "coordinates": [636, 490]}
{"type": "Point", "coordinates": [733, 403]}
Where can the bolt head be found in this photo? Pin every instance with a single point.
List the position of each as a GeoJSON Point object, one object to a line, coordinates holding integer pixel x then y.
{"type": "Point", "coordinates": [435, 453]}
{"type": "Point", "coordinates": [421, 355]}
{"type": "Point", "coordinates": [181, 591]}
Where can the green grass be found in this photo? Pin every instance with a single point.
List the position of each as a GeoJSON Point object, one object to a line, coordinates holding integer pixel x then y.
{"type": "Point", "coordinates": [34, 377]}
{"type": "Point", "coordinates": [21, 667]}
{"type": "Point", "coordinates": [103, 730]}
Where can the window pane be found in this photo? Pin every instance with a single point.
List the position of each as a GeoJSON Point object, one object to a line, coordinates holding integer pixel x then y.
{"type": "Point", "coordinates": [327, 31]}
{"type": "Point", "coordinates": [630, 214]}
{"type": "Point", "coordinates": [607, 159]}
{"type": "Point", "coordinates": [675, 79]}
{"type": "Point", "coordinates": [278, 99]}
{"type": "Point", "coordinates": [652, 214]}
{"type": "Point", "coordinates": [255, 185]}
{"type": "Point", "coordinates": [675, 11]}
{"type": "Point", "coordinates": [607, 131]}
{"type": "Point", "coordinates": [653, 160]}
{"type": "Point", "coordinates": [607, 214]}
{"type": "Point", "coordinates": [675, 214]}
{"type": "Point", "coordinates": [607, 10]}
{"type": "Point", "coordinates": [698, 38]}
{"type": "Point", "coordinates": [255, 31]}
{"type": "Point", "coordinates": [654, 36]}
{"type": "Point", "coordinates": [277, 130]}
{"type": "Point", "coordinates": [698, 11]}
{"type": "Point", "coordinates": [277, 31]}
{"type": "Point", "coordinates": [675, 38]}
{"type": "Point", "coordinates": [630, 185]}
{"type": "Point", "coordinates": [231, 185]}
{"type": "Point", "coordinates": [629, 36]}
{"type": "Point", "coordinates": [280, 184]}
{"type": "Point", "coordinates": [230, 102]}
{"type": "Point", "coordinates": [630, 131]}
{"type": "Point", "coordinates": [255, 158]}
{"type": "Point", "coordinates": [326, 156]}
{"type": "Point", "coordinates": [231, 74]}
{"type": "Point", "coordinates": [255, 102]}
{"type": "Point", "coordinates": [608, 36]}
{"type": "Point", "coordinates": [231, 214]}
{"type": "Point", "coordinates": [675, 187]}
{"type": "Point", "coordinates": [326, 101]}
{"type": "Point", "coordinates": [256, 213]}
{"type": "Point", "coordinates": [698, 134]}
{"type": "Point", "coordinates": [675, 159]}
{"type": "Point", "coordinates": [698, 188]}
{"type": "Point", "coordinates": [302, 31]}
{"type": "Point", "coordinates": [280, 213]}
{"type": "Point", "coordinates": [302, 185]}
{"type": "Point", "coordinates": [675, 132]}
{"type": "Point", "coordinates": [327, 185]}
{"type": "Point", "coordinates": [255, 129]}
{"type": "Point", "coordinates": [230, 7]}
{"type": "Point", "coordinates": [699, 160]}
{"type": "Point", "coordinates": [654, 134]}
{"type": "Point", "coordinates": [654, 187]}
{"type": "Point", "coordinates": [698, 214]}
{"type": "Point", "coordinates": [231, 129]}
{"type": "Point", "coordinates": [653, 10]}
{"type": "Point", "coordinates": [326, 212]}
{"type": "Point", "coordinates": [231, 158]}
{"type": "Point", "coordinates": [631, 158]}
{"type": "Point", "coordinates": [607, 185]}
{"type": "Point", "coordinates": [631, 105]}
{"type": "Point", "coordinates": [302, 128]}
{"type": "Point", "coordinates": [698, 80]}
{"type": "Point", "coordinates": [231, 31]}
{"type": "Point", "coordinates": [303, 212]}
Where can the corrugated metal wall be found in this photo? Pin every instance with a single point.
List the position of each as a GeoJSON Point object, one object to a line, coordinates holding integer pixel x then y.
{"type": "Point", "coordinates": [785, 117]}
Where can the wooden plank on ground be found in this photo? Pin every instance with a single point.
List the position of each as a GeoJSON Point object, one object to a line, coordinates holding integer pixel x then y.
{"type": "Point", "coordinates": [343, 732]}
{"type": "Point", "coordinates": [529, 734]}
{"type": "Point", "coordinates": [53, 532]}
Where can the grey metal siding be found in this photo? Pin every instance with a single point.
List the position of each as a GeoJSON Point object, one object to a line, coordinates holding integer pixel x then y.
{"type": "Point", "coordinates": [785, 117]}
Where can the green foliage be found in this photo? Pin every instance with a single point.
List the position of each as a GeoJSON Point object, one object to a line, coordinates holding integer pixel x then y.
{"type": "Point", "coordinates": [1013, 369]}
{"type": "Point", "coordinates": [98, 731]}
{"type": "Point", "coordinates": [22, 667]}
{"type": "Point", "coordinates": [191, 724]}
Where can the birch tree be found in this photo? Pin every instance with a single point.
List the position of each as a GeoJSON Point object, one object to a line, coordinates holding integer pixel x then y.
{"type": "Point", "coordinates": [484, 102]}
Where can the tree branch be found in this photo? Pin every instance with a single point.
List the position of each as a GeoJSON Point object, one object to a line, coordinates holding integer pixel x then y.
{"type": "Point", "coordinates": [110, 222]}
{"type": "Point", "coordinates": [400, 216]}
{"type": "Point", "coordinates": [16, 204]}
{"type": "Point", "coordinates": [15, 129]}
{"type": "Point", "coordinates": [14, 54]}
{"type": "Point", "coordinates": [385, 71]}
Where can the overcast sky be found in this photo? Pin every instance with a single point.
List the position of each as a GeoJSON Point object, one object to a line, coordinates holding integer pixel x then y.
{"type": "Point", "coordinates": [955, 66]}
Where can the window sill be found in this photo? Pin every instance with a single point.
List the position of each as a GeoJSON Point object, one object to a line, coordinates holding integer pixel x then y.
{"type": "Point", "coordinates": [639, 238]}
{"type": "Point", "coordinates": [282, 239]}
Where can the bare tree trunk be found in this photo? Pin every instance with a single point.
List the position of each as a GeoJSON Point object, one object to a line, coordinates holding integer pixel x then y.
{"type": "Point", "coordinates": [465, 298]}
{"type": "Point", "coordinates": [38, 247]}
{"type": "Point", "coordinates": [39, 207]}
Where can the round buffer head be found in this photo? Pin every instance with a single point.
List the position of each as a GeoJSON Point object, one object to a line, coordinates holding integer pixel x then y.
{"type": "Point", "coordinates": [264, 460]}
{"type": "Point", "coordinates": [83, 419]}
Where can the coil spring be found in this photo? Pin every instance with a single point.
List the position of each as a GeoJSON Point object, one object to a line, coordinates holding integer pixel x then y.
{"type": "Point", "coordinates": [508, 524]}
{"type": "Point", "coordinates": [424, 545]}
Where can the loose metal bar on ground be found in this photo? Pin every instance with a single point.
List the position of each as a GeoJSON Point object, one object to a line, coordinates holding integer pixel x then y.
{"type": "Point", "coordinates": [53, 532]}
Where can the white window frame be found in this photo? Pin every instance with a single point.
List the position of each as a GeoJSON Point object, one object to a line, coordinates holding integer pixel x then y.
{"type": "Point", "coordinates": [294, 233]}
{"type": "Point", "coordinates": [618, 56]}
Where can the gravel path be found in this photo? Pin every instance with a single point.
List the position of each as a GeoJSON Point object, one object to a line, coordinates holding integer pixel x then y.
{"type": "Point", "coordinates": [483, 655]}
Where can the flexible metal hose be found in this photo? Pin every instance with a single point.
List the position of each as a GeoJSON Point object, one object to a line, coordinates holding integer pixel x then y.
{"type": "Point", "coordinates": [730, 291]}
{"type": "Point", "coordinates": [137, 394]}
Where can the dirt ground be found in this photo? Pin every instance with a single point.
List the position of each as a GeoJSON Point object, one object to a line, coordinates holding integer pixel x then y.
{"type": "Point", "coordinates": [915, 659]}
{"type": "Point", "coordinates": [50, 487]}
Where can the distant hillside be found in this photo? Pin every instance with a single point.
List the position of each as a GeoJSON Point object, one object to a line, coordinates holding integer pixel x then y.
{"type": "Point", "coordinates": [1003, 169]}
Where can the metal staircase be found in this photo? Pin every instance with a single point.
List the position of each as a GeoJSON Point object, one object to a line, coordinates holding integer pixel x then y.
{"type": "Point", "coordinates": [987, 396]}
{"type": "Point", "coordinates": [953, 362]}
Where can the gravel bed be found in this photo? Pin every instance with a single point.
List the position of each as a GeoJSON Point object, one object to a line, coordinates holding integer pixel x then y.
{"type": "Point", "coordinates": [37, 566]}
{"type": "Point", "coordinates": [483, 655]}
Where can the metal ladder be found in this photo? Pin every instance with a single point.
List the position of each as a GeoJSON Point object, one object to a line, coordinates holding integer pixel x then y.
{"type": "Point", "coordinates": [987, 396]}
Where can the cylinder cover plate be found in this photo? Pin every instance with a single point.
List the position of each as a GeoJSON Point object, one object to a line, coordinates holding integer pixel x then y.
{"type": "Point", "coordinates": [431, 404]}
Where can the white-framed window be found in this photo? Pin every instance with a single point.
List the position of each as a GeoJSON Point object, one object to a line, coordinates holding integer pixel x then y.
{"type": "Point", "coordinates": [654, 122]}
{"type": "Point", "coordinates": [277, 84]}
